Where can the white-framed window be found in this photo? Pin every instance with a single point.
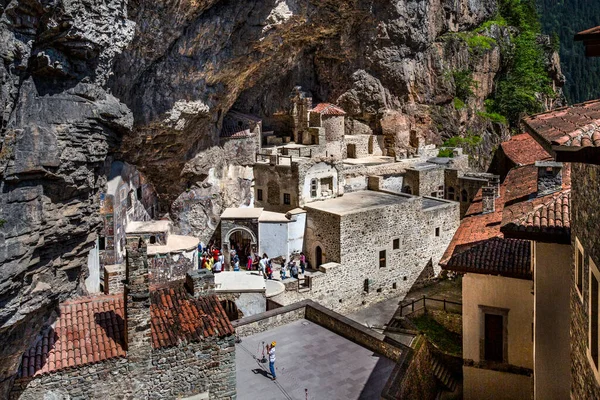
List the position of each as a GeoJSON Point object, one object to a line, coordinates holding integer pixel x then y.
{"type": "Point", "coordinates": [593, 319]}
{"type": "Point", "coordinates": [314, 186]}
{"type": "Point", "coordinates": [578, 257]}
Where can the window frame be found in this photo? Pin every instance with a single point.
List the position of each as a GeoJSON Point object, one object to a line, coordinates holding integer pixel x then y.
{"type": "Point", "coordinates": [437, 231]}
{"type": "Point", "coordinates": [384, 258]}
{"type": "Point", "coordinates": [396, 244]}
{"type": "Point", "coordinates": [593, 269]}
{"type": "Point", "coordinates": [259, 194]}
{"type": "Point", "coordinates": [314, 188]}
{"type": "Point", "coordinates": [579, 248]}
{"type": "Point", "coordinates": [483, 310]}
{"type": "Point", "coordinates": [287, 199]}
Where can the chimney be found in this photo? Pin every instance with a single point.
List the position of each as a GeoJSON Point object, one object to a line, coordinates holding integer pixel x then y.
{"type": "Point", "coordinates": [549, 177]}
{"type": "Point", "coordinates": [488, 199]}
{"type": "Point", "coordinates": [495, 182]}
{"type": "Point", "coordinates": [138, 338]}
{"type": "Point", "coordinates": [200, 282]}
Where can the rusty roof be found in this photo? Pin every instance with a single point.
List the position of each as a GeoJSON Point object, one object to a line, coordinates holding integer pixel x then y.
{"type": "Point", "coordinates": [91, 329]}
{"type": "Point", "coordinates": [328, 109]}
{"type": "Point", "coordinates": [570, 134]}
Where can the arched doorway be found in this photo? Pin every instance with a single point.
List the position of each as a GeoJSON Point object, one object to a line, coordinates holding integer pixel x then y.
{"type": "Point", "coordinates": [318, 256]}
{"type": "Point", "coordinates": [243, 241]}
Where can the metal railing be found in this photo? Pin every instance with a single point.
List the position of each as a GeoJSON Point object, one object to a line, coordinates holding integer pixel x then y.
{"type": "Point", "coordinates": [440, 304]}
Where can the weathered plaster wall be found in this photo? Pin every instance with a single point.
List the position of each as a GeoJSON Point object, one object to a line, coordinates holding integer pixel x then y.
{"type": "Point", "coordinates": [273, 239]}
{"type": "Point", "coordinates": [501, 292]}
{"type": "Point", "coordinates": [168, 267]}
{"type": "Point", "coordinates": [552, 358]}
{"type": "Point", "coordinates": [488, 384]}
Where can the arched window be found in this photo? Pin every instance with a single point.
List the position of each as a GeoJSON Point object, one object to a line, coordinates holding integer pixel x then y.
{"type": "Point", "coordinates": [314, 185]}
{"type": "Point", "coordinates": [450, 195]}
{"type": "Point", "coordinates": [463, 196]}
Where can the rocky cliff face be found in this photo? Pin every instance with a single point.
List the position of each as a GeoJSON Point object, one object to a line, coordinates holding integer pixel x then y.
{"type": "Point", "coordinates": [150, 82]}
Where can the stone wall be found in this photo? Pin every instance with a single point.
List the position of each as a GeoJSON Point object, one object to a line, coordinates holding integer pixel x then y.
{"type": "Point", "coordinates": [418, 382]}
{"type": "Point", "coordinates": [350, 276]}
{"type": "Point", "coordinates": [172, 266]}
{"type": "Point", "coordinates": [364, 145]}
{"type": "Point", "coordinates": [425, 181]}
{"type": "Point", "coordinates": [274, 181]}
{"type": "Point", "coordinates": [185, 370]}
{"type": "Point", "coordinates": [113, 278]}
{"type": "Point", "coordinates": [334, 134]}
{"type": "Point", "coordinates": [584, 224]}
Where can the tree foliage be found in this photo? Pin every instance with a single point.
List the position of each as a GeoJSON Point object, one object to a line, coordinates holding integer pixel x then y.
{"type": "Point", "coordinates": [525, 76]}
{"type": "Point", "coordinates": [564, 18]}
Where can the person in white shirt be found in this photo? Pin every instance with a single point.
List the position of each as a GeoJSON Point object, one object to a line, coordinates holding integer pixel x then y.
{"type": "Point", "coordinates": [217, 267]}
{"type": "Point", "coordinates": [271, 351]}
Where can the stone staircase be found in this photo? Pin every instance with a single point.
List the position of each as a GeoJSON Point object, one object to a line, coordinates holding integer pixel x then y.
{"type": "Point", "coordinates": [443, 375]}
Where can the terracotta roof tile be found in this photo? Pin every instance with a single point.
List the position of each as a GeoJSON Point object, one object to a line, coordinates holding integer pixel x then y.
{"type": "Point", "coordinates": [567, 129]}
{"type": "Point", "coordinates": [328, 109]}
{"type": "Point", "coordinates": [67, 343]}
{"type": "Point", "coordinates": [524, 150]}
{"type": "Point", "coordinates": [179, 317]}
{"type": "Point", "coordinates": [546, 218]}
{"type": "Point", "coordinates": [518, 190]}
{"type": "Point", "coordinates": [588, 34]}
{"type": "Point", "coordinates": [496, 256]}
{"type": "Point", "coordinates": [91, 329]}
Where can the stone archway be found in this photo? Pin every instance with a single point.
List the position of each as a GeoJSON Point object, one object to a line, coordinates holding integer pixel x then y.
{"type": "Point", "coordinates": [318, 256]}
{"type": "Point", "coordinates": [226, 244]}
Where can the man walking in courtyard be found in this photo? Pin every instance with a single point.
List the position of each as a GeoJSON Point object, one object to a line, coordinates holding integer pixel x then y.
{"type": "Point", "coordinates": [271, 351]}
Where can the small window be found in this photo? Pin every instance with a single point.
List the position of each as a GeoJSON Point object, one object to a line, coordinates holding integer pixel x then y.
{"type": "Point", "coordinates": [396, 244]}
{"type": "Point", "coordinates": [463, 196]}
{"type": "Point", "coordinates": [579, 267]}
{"type": "Point", "coordinates": [450, 193]}
{"type": "Point", "coordinates": [130, 199]}
{"type": "Point", "coordinates": [433, 194]}
{"type": "Point", "coordinates": [494, 337]}
{"type": "Point", "coordinates": [152, 239]}
{"type": "Point", "coordinates": [314, 184]}
{"type": "Point", "coordinates": [259, 194]}
{"type": "Point", "coordinates": [287, 199]}
{"type": "Point", "coordinates": [139, 193]}
{"type": "Point", "coordinates": [437, 232]}
{"type": "Point", "coordinates": [382, 260]}
{"type": "Point", "coordinates": [101, 243]}
{"type": "Point", "coordinates": [594, 321]}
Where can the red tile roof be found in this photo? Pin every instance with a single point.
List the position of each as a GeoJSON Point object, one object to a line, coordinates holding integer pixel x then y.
{"type": "Point", "coordinates": [91, 329]}
{"type": "Point", "coordinates": [570, 133]}
{"type": "Point", "coordinates": [178, 317]}
{"type": "Point", "coordinates": [519, 187]}
{"type": "Point", "coordinates": [87, 330]}
{"type": "Point", "coordinates": [545, 219]}
{"type": "Point", "coordinates": [328, 109]}
{"type": "Point", "coordinates": [524, 150]}
{"type": "Point", "coordinates": [496, 256]}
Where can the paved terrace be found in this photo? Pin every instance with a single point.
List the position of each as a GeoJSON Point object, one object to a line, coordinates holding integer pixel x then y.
{"type": "Point", "coordinates": [309, 357]}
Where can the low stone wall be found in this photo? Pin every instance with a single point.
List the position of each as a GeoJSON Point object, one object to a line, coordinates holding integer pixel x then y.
{"type": "Point", "coordinates": [355, 332]}
{"type": "Point", "coordinates": [268, 320]}
{"type": "Point", "coordinates": [417, 381]}
{"type": "Point", "coordinates": [181, 371]}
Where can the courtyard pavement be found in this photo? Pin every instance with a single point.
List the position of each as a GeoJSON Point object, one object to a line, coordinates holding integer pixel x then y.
{"type": "Point", "coordinates": [313, 358]}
